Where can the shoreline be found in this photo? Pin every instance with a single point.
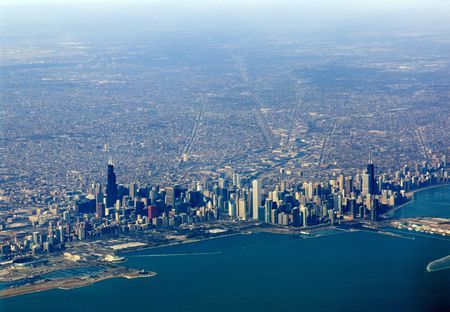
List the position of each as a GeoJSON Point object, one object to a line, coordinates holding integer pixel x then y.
{"type": "Point", "coordinates": [78, 282]}
{"type": "Point", "coordinates": [411, 194]}
{"type": "Point", "coordinates": [66, 283]}
{"type": "Point", "coordinates": [445, 261]}
{"type": "Point", "coordinates": [188, 241]}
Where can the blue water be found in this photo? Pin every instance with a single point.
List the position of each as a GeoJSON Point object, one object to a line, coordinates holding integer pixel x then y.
{"type": "Point", "coordinates": [428, 203]}
{"type": "Point", "coordinates": [356, 271]}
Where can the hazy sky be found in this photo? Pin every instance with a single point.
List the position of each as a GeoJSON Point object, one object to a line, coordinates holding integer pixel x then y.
{"type": "Point", "coordinates": [320, 4]}
{"type": "Point", "coordinates": [98, 16]}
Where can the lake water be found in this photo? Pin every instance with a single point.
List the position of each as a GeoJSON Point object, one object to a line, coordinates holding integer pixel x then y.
{"type": "Point", "coordinates": [356, 271]}
{"type": "Point", "coordinates": [433, 202]}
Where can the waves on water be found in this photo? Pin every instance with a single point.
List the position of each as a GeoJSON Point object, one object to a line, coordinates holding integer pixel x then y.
{"type": "Point", "coordinates": [439, 264]}
{"type": "Point", "coordinates": [178, 254]}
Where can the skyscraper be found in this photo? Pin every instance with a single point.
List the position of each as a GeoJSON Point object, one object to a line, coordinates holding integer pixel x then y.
{"type": "Point", "coordinates": [365, 184]}
{"type": "Point", "coordinates": [133, 190]}
{"type": "Point", "coordinates": [172, 195]}
{"type": "Point", "coordinates": [296, 217]}
{"type": "Point", "coordinates": [348, 185]}
{"type": "Point", "coordinates": [111, 186]}
{"type": "Point", "coordinates": [242, 208]}
{"type": "Point", "coordinates": [100, 210]}
{"type": "Point", "coordinates": [267, 210]}
{"type": "Point", "coordinates": [256, 185]}
{"type": "Point", "coordinates": [372, 181]}
{"type": "Point", "coordinates": [152, 212]}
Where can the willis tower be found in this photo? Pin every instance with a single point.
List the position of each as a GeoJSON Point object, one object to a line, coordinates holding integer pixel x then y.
{"type": "Point", "coordinates": [111, 186]}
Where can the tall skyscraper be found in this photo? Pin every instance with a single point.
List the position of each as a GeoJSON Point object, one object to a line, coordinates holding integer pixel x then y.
{"type": "Point", "coordinates": [100, 210]}
{"type": "Point", "coordinates": [267, 210]}
{"type": "Point", "coordinates": [133, 190]}
{"type": "Point", "coordinates": [365, 184]}
{"type": "Point", "coordinates": [348, 185]}
{"type": "Point", "coordinates": [242, 208]}
{"type": "Point", "coordinates": [256, 185]}
{"type": "Point", "coordinates": [172, 195]}
{"type": "Point", "coordinates": [111, 186]}
{"type": "Point", "coordinates": [296, 217]}
{"type": "Point", "coordinates": [304, 215]}
{"type": "Point", "coordinates": [152, 212]}
{"type": "Point", "coordinates": [372, 181]}
{"type": "Point", "coordinates": [341, 184]}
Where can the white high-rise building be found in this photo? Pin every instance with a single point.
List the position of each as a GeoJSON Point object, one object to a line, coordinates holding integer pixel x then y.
{"type": "Point", "coordinates": [256, 186]}
{"type": "Point", "coordinates": [365, 184]}
{"type": "Point", "coordinates": [242, 209]}
{"type": "Point", "coordinates": [231, 209]}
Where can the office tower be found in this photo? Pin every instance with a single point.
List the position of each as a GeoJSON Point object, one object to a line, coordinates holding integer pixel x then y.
{"type": "Point", "coordinates": [348, 185]}
{"type": "Point", "coordinates": [133, 190]}
{"type": "Point", "coordinates": [365, 184]}
{"type": "Point", "coordinates": [222, 183]}
{"type": "Point", "coordinates": [283, 218]}
{"type": "Point", "coordinates": [50, 228]}
{"type": "Point", "coordinates": [275, 196]}
{"type": "Point", "coordinates": [81, 231]}
{"type": "Point", "coordinates": [341, 184]}
{"type": "Point", "coordinates": [331, 216]}
{"type": "Point", "coordinates": [304, 213]}
{"type": "Point", "coordinates": [283, 186]}
{"type": "Point", "coordinates": [242, 208]}
{"type": "Point", "coordinates": [111, 186]}
{"type": "Point", "coordinates": [357, 183]}
{"type": "Point", "coordinates": [372, 181]}
{"type": "Point", "coordinates": [405, 170]}
{"type": "Point", "coordinates": [351, 206]}
{"type": "Point", "coordinates": [172, 195]}
{"type": "Point", "coordinates": [98, 193]}
{"type": "Point", "coordinates": [66, 216]}
{"type": "Point", "coordinates": [309, 191]}
{"type": "Point", "coordinates": [100, 210]}
{"type": "Point", "coordinates": [296, 217]}
{"type": "Point", "coordinates": [237, 180]}
{"type": "Point", "coordinates": [60, 234]}
{"type": "Point", "coordinates": [248, 194]}
{"type": "Point", "coordinates": [267, 210]}
{"type": "Point", "coordinates": [374, 213]}
{"type": "Point", "coordinates": [256, 185]}
{"type": "Point", "coordinates": [362, 211]}
{"type": "Point", "coordinates": [231, 209]}
{"type": "Point", "coordinates": [152, 212]}
{"type": "Point", "coordinates": [337, 202]}
{"type": "Point", "coordinates": [274, 216]}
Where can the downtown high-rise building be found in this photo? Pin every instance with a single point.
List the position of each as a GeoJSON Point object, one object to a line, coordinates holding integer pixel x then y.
{"type": "Point", "coordinates": [371, 176]}
{"type": "Point", "coordinates": [369, 182]}
{"type": "Point", "coordinates": [256, 186]}
{"type": "Point", "coordinates": [111, 186]}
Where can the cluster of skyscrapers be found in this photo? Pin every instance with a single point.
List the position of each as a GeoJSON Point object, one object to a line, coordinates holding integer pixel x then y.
{"type": "Point", "coordinates": [112, 209]}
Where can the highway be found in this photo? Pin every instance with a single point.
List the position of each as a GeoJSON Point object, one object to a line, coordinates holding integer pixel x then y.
{"type": "Point", "coordinates": [191, 138]}
{"type": "Point", "coordinates": [261, 120]}
{"type": "Point", "coordinates": [300, 96]}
